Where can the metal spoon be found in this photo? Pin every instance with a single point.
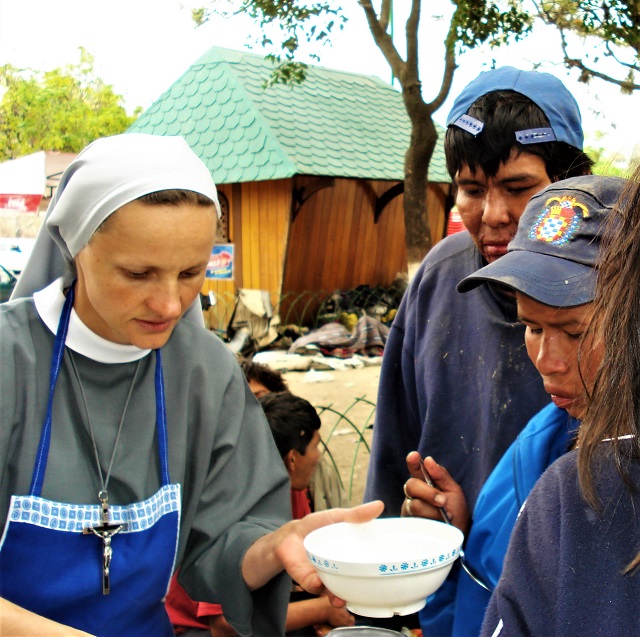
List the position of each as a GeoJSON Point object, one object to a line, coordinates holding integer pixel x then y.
{"type": "Point", "coordinates": [447, 519]}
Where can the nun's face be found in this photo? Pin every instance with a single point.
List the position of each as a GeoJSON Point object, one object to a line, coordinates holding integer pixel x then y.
{"type": "Point", "coordinates": [142, 270]}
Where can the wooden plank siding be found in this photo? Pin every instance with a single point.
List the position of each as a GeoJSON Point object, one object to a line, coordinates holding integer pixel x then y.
{"type": "Point", "coordinates": [438, 204]}
{"type": "Point", "coordinates": [265, 221]}
{"type": "Point", "coordinates": [258, 226]}
{"type": "Point", "coordinates": [226, 288]}
{"type": "Point", "coordinates": [335, 243]}
{"type": "Point", "coordinates": [218, 317]}
{"type": "Point", "coordinates": [332, 242]}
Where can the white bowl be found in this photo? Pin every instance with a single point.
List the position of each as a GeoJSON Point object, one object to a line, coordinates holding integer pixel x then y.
{"type": "Point", "coordinates": [387, 566]}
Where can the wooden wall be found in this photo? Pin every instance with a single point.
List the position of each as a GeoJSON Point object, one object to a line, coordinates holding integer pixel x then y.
{"type": "Point", "coordinates": [223, 287]}
{"type": "Point", "coordinates": [438, 205]}
{"type": "Point", "coordinates": [333, 241]}
{"type": "Point", "coordinates": [258, 227]}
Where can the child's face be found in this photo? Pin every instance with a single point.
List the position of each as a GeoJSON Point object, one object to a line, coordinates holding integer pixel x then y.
{"type": "Point", "coordinates": [555, 344]}
{"type": "Point", "coordinates": [257, 388]}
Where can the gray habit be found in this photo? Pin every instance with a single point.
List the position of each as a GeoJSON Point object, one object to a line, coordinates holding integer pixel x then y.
{"type": "Point", "coordinates": [234, 485]}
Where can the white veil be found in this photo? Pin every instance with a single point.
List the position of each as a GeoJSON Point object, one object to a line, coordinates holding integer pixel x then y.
{"type": "Point", "coordinates": [109, 173]}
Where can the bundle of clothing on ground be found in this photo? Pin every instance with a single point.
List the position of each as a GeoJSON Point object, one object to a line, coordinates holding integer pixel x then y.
{"type": "Point", "coordinates": [334, 339]}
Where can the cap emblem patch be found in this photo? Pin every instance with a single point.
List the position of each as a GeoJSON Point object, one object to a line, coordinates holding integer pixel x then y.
{"type": "Point", "coordinates": [558, 221]}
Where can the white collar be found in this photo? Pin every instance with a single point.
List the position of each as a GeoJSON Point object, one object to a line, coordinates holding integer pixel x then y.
{"type": "Point", "coordinates": [80, 338]}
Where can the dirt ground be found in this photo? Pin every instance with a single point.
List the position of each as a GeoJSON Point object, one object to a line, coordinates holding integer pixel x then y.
{"type": "Point", "coordinates": [346, 421]}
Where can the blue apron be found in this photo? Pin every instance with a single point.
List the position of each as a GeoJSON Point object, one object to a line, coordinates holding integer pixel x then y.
{"type": "Point", "coordinates": [48, 566]}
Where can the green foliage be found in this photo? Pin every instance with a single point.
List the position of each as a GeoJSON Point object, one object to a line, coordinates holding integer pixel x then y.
{"type": "Point", "coordinates": [199, 16]}
{"type": "Point", "coordinates": [297, 21]}
{"type": "Point", "coordinates": [286, 72]}
{"type": "Point", "coordinates": [607, 164]}
{"type": "Point", "coordinates": [614, 27]}
{"type": "Point", "coordinates": [610, 20]}
{"type": "Point", "coordinates": [63, 109]}
{"type": "Point", "coordinates": [486, 22]}
{"type": "Point", "coordinates": [609, 168]}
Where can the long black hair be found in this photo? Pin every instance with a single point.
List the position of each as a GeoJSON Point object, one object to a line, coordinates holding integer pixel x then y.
{"type": "Point", "coordinates": [614, 410]}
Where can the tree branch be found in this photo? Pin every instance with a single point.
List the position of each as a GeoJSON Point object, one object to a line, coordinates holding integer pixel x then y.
{"type": "Point", "coordinates": [411, 30]}
{"type": "Point", "coordinates": [611, 53]}
{"type": "Point", "coordinates": [385, 14]}
{"type": "Point", "coordinates": [615, 26]}
{"type": "Point", "coordinates": [450, 67]}
{"type": "Point", "coordinates": [626, 85]}
{"type": "Point", "coordinates": [383, 40]}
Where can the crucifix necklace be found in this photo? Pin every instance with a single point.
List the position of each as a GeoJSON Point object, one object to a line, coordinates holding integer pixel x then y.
{"type": "Point", "coordinates": [105, 530]}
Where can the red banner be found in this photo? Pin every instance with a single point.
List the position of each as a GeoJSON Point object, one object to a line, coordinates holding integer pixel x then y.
{"type": "Point", "coordinates": [20, 203]}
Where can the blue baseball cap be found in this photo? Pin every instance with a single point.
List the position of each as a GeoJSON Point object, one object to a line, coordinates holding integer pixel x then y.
{"type": "Point", "coordinates": [553, 255]}
{"type": "Point", "coordinates": [543, 89]}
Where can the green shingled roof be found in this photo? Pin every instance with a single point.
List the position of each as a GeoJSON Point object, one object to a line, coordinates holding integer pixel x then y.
{"type": "Point", "coordinates": [334, 124]}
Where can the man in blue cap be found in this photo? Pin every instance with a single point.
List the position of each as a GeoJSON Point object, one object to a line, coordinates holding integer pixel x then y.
{"type": "Point", "coordinates": [456, 382]}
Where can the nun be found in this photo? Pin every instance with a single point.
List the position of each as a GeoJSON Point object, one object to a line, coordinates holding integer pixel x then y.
{"type": "Point", "coordinates": [130, 443]}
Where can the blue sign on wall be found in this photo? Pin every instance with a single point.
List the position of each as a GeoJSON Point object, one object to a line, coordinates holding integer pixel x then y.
{"type": "Point", "coordinates": [220, 264]}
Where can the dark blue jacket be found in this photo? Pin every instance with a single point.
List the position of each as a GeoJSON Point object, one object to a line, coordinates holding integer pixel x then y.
{"type": "Point", "coordinates": [456, 382]}
{"type": "Point", "coordinates": [563, 572]}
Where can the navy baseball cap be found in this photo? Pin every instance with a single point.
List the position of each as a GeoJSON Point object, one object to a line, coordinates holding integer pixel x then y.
{"type": "Point", "coordinates": [543, 89]}
{"type": "Point", "coordinates": [553, 255]}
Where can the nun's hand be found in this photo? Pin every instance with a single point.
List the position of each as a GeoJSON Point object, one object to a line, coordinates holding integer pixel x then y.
{"type": "Point", "coordinates": [293, 555]}
{"type": "Point", "coordinates": [284, 549]}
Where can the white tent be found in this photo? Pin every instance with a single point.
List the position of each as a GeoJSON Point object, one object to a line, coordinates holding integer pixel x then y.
{"type": "Point", "coordinates": [22, 183]}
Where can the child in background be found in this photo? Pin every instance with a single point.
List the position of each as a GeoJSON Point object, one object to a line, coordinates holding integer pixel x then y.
{"type": "Point", "coordinates": [261, 378]}
{"type": "Point", "coordinates": [325, 487]}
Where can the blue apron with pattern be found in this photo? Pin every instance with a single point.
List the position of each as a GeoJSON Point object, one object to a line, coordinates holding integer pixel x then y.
{"type": "Point", "coordinates": [48, 566]}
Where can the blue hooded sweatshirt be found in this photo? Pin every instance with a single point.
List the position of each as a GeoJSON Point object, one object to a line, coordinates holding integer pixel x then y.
{"type": "Point", "coordinates": [458, 609]}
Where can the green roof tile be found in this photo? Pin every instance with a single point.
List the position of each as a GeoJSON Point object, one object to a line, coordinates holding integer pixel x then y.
{"type": "Point", "coordinates": [335, 124]}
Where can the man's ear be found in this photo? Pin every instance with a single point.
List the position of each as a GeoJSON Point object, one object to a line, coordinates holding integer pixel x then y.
{"type": "Point", "coordinates": [290, 460]}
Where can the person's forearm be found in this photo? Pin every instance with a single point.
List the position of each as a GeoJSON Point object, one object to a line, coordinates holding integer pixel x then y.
{"type": "Point", "coordinates": [16, 621]}
{"type": "Point", "coordinates": [261, 562]}
{"type": "Point", "coordinates": [307, 612]}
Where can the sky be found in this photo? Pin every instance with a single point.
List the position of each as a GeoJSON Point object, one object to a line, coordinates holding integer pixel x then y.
{"type": "Point", "coordinates": [142, 46]}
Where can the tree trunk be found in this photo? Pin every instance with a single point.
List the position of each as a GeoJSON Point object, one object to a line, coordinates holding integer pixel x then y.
{"type": "Point", "coordinates": [423, 130]}
{"type": "Point", "coordinates": [417, 159]}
